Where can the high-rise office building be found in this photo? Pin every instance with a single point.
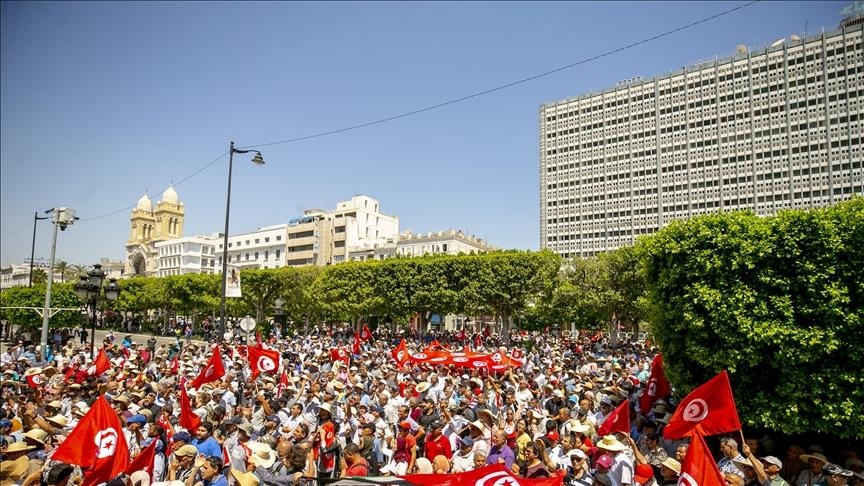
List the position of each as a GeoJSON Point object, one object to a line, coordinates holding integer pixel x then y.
{"type": "Point", "coordinates": [769, 129]}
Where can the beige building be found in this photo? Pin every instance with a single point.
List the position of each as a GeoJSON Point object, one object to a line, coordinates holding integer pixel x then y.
{"type": "Point", "coordinates": [149, 226]}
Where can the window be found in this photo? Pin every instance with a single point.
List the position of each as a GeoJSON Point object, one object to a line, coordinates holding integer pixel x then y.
{"type": "Point", "coordinates": [278, 237]}
{"type": "Point", "coordinates": [256, 255]}
{"type": "Point", "coordinates": [267, 240]}
{"type": "Point", "coordinates": [257, 241]}
{"type": "Point", "coordinates": [278, 252]}
{"type": "Point", "coordinates": [247, 257]}
{"type": "Point", "coordinates": [266, 255]}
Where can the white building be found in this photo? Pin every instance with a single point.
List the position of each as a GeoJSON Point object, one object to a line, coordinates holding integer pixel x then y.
{"type": "Point", "coordinates": [768, 129]}
{"type": "Point", "coordinates": [190, 254]}
{"type": "Point", "coordinates": [450, 242]}
{"type": "Point", "coordinates": [262, 248]}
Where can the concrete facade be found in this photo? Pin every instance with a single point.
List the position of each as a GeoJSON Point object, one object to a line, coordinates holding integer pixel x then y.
{"type": "Point", "coordinates": [765, 130]}
{"type": "Point", "coordinates": [190, 254]}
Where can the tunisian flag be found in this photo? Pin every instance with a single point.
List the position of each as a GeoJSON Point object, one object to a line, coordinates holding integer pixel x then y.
{"type": "Point", "coordinates": [262, 360]}
{"type": "Point", "coordinates": [97, 444]}
{"type": "Point", "coordinates": [355, 348]}
{"type": "Point", "coordinates": [188, 419]}
{"type": "Point", "coordinates": [709, 409]}
{"type": "Point", "coordinates": [699, 468]}
{"type": "Point", "coordinates": [144, 460]}
{"type": "Point", "coordinates": [284, 383]}
{"type": "Point", "coordinates": [400, 353]}
{"type": "Point", "coordinates": [100, 364]}
{"type": "Point", "coordinates": [617, 421]}
{"type": "Point", "coordinates": [495, 474]}
{"type": "Point", "coordinates": [338, 354]}
{"type": "Point", "coordinates": [212, 372]}
{"type": "Point", "coordinates": [365, 334]}
{"type": "Point", "coordinates": [658, 386]}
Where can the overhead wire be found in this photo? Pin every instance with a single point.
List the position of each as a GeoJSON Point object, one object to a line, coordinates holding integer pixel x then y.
{"type": "Point", "coordinates": [508, 85]}
{"type": "Point", "coordinates": [445, 103]}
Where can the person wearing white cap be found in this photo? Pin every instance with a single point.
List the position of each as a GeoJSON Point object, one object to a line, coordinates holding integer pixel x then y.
{"type": "Point", "coordinates": [767, 469]}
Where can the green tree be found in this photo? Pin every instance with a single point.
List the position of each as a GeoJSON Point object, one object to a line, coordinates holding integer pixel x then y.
{"type": "Point", "coordinates": [39, 276]}
{"type": "Point", "coordinates": [507, 282]}
{"type": "Point", "coordinates": [261, 287]}
{"type": "Point", "coordinates": [62, 268]}
{"type": "Point", "coordinates": [301, 302]}
{"type": "Point", "coordinates": [62, 297]}
{"type": "Point", "coordinates": [777, 301]}
{"type": "Point", "coordinates": [347, 291]}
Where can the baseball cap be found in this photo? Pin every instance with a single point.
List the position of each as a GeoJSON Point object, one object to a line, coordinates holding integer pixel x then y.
{"type": "Point", "coordinates": [187, 451]}
{"type": "Point", "coordinates": [552, 435]}
{"type": "Point", "coordinates": [273, 418]}
{"type": "Point", "coordinates": [182, 436]}
{"type": "Point", "coordinates": [405, 425]}
{"type": "Point", "coordinates": [773, 460]}
{"type": "Point", "coordinates": [137, 419]}
{"type": "Point", "coordinates": [467, 441]}
{"type": "Point", "coordinates": [833, 469]}
{"type": "Point", "coordinates": [643, 473]}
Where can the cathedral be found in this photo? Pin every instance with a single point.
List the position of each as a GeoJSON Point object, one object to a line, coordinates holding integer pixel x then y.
{"type": "Point", "coordinates": [149, 226]}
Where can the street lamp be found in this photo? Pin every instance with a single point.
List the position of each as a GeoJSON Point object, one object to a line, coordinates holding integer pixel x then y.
{"type": "Point", "coordinates": [63, 218]}
{"type": "Point", "coordinates": [257, 160]}
{"type": "Point", "coordinates": [87, 289]}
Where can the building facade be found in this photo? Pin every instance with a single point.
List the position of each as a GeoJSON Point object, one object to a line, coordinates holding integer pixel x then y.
{"type": "Point", "coordinates": [450, 242]}
{"type": "Point", "coordinates": [190, 254]}
{"type": "Point", "coordinates": [262, 248]}
{"type": "Point", "coordinates": [766, 130]}
{"type": "Point", "coordinates": [149, 226]}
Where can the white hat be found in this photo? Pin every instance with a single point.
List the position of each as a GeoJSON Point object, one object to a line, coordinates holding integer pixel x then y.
{"type": "Point", "coordinates": [610, 443]}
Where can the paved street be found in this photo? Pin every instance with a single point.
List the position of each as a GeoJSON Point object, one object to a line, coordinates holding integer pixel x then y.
{"type": "Point", "coordinates": [100, 336]}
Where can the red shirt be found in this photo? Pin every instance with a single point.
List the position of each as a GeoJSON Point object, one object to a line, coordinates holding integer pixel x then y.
{"type": "Point", "coordinates": [438, 447]}
{"type": "Point", "coordinates": [359, 468]}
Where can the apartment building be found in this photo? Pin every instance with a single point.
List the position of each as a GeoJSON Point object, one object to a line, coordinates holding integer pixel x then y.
{"type": "Point", "coordinates": [262, 248]}
{"type": "Point", "coordinates": [767, 129]}
{"type": "Point", "coordinates": [190, 254]}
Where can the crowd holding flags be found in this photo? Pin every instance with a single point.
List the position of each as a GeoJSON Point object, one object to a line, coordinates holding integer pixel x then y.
{"type": "Point", "coordinates": [97, 444]}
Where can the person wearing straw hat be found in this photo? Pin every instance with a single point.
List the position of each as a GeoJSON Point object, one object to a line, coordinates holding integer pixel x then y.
{"type": "Point", "coordinates": [621, 471]}
{"type": "Point", "coordinates": [15, 465]}
{"type": "Point", "coordinates": [813, 474]}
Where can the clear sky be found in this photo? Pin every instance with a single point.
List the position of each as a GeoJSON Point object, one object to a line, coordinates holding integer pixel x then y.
{"type": "Point", "coordinates": [102, 101]}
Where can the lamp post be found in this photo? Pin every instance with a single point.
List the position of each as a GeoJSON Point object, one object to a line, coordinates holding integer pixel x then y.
{"type": "Point", "coordinates": [33, 244]}
{"type": "Point", "coordinates": [279, 314]}
{"type": "Point", "coordinates": [87, 289]}
{"type": "Point", "coordinates": [63, 217]}
{"type": "Point", "coordinates": [257, 160]}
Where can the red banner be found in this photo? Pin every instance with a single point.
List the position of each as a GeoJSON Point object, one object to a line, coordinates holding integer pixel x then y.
{"type": "Point", "coordinates": [492, 475]}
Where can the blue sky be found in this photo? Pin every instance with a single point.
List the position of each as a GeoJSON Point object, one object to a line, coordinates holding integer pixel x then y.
{"type": "Point", "coordinates": [102, 101]}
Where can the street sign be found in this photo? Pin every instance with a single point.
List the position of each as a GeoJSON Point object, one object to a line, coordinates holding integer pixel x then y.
{"type": "Point", "coordinates": [247, 324]}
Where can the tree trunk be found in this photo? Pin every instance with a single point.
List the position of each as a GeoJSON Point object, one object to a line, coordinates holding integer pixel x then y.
{"type": "Point", "coordinates": [506, 324]}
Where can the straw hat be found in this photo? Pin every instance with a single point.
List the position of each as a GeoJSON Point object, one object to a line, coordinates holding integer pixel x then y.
{"type": "Point", "coordinates": [423, 386]}
{"type": "Point", "coordinates": [33, 371]}
{"type": "Point", "coordinates": [262, 455]}
{"type": "Point", "coordinates": [19, 447]}
{"type": "Point", "coordinates": [326, 407]}
{"type": "Point", "coordinates": [245, 478]}
{"type": "Point", "coordinates": [59, 420]}
{"type": "Point", "coordinates": [672, 464]}
{"type": "Point", "coordinates": [38, 435]}
{"type": "Point", "coordinates": [819, 457]}
{"type": "Point", "coordinates": [479, 424]}
{"type": "Point", "coordinates": [610, 443]}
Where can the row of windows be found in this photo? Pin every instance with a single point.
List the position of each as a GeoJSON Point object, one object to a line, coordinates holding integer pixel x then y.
{"type": "Point", "coordinates": [257, 241]}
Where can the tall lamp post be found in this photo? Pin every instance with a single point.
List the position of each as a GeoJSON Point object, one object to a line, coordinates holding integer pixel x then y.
{"type": "Point", "coordinates": [279, 314]}
{"type": "Point", "coordinates": [33, 243]}
{"type": "Point", "coordinates": [63, 217]}
{"type": "Point", "coordinates": [257, 160]}
{"type": "Point", "coordinates": [87, 289]}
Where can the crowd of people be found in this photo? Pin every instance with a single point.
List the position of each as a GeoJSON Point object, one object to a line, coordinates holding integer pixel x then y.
{"type": "Point", "coordinates": [313, 417]}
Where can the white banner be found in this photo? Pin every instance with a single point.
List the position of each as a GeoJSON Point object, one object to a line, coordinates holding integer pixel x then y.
{"type": "Point", "coordinates": [232, 286]}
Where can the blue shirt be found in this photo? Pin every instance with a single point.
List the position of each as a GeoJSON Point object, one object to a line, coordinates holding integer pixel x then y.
{"type": "Point", "coordinates": [219, 480]}
{"type": "Point", "coordinates": [209, 448]}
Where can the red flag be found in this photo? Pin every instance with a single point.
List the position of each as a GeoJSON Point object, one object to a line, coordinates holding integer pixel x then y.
{"type": "Point", "coordinates": [100, 365]}
{"type": "Point", "coordinates": [175, 366]}
{"type": "Point", "coordinates": [212, 372]}
{"type": "Point", "coordinates": [258, 337]}
{"type": "Point", "coordinates": [144, 460]}
{"type": "Point", "coordinates": [188, 419]}
{"type": "Point", "coordinates": [710, 409]}
{"type": "Point", "coordinates": [35, 381]}
{"type": "Point", "coordinates": [365, 334]}
{"type": "Point", "coordinates": [163, 422]}
{"type": "Point", "coordinates": [355, 348]}
{"type": "Point", "coordinates": [262, 360]}
{"type": "Point", "coordinates": [516, 353]}
{"type": "Point", "coordinates": [460, 335]}
{"type": "Point", "coordinates": [97, 443]}
{"type": "Point", "coordinates": [339, 354]}
{"type": "Point", "coordinates": [400, 353]}
{"type": "Point", "coordinates": [698, 467]}
{"type": "Point", "coordinates": [284, 382]}
{"type": "Point", "coordinates": [617, 421]}
{"type": "Point", "coordinates": [658, 386]}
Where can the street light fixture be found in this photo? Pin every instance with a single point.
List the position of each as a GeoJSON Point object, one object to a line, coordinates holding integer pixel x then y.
{"type": "Point", "coordinates": [257, 160]}
{"type": "Point", "coordinates": [87, 289]}
{"type": "Point", "coordinates": [279, 314]}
